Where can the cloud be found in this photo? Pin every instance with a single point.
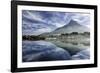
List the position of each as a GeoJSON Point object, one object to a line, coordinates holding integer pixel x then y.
{"type": "Point", "coordinates": [83, 19]}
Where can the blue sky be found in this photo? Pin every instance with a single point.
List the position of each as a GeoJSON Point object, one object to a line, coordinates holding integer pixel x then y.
{"type": "Point", "coordinates": [37, 22]}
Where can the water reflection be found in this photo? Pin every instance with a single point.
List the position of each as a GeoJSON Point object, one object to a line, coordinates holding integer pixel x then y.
{"type": "Point", "coordinates": [53, 50]}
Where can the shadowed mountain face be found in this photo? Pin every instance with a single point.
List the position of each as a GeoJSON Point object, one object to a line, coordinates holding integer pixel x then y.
{"type": "Point", "coordinates": [73, 26]}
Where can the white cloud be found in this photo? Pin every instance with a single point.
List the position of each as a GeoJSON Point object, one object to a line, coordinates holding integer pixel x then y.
{"type": "Point", "coordinates": [35, 16]}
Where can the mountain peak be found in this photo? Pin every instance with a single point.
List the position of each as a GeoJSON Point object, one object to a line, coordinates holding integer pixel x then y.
{"type": "Point", "coordinates": [72, 23]}
{"type": "Point", "coordinates": [72, 26]}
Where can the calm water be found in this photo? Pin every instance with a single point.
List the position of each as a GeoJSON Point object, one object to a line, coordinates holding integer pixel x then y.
{"type": "Point", "coordinates": [53, 50]}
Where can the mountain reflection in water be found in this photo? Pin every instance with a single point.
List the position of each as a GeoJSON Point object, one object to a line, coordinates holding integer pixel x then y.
{"type": "Point", "coordinates": [52, 51]}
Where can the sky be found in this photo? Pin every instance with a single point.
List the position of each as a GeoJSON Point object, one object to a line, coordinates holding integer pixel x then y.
{"type": "Point", "coordinates": [38, 22]}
